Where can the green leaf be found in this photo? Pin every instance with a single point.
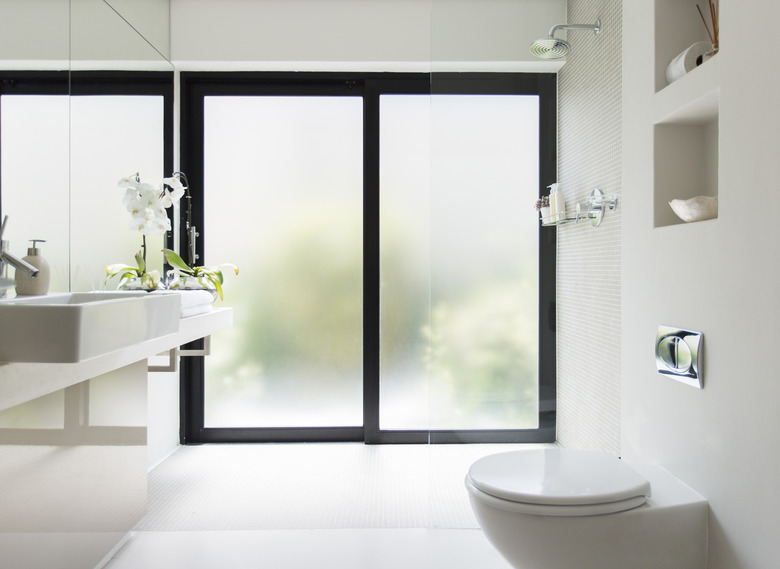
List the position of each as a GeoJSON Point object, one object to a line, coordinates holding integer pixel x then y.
{"type": "Point", "coordinates": [212, 274]}
{"type": "Point", "coordinates": [218, 286]}
{"type": "Point", "coordinates": [125, 270]}
{"type": "Point", "coordinates": [126, 278]}
{"type": "Point", "coordinates": [177, 262]}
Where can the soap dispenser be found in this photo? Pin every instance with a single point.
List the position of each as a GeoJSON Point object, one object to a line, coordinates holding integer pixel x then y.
{"type": "Point", "coordinates": [26, 286]}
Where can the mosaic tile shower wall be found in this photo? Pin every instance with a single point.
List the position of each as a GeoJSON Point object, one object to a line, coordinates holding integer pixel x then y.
{"type": "Point", "coordinates": [588, 301]}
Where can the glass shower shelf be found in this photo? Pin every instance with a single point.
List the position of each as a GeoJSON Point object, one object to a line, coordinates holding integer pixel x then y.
{"type": "Point", "coordinates": [593, 209]}
{"type": "Point", "coordinates": [548, 221]}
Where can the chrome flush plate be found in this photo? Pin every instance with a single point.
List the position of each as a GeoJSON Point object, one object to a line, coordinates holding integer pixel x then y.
{"type": "Point", "coordinates": [678, 355]}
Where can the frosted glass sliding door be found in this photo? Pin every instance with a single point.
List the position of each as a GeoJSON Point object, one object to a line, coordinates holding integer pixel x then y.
{"type": "Point", "coordinates": [405, 260]}
{"type": "Point", "coordinates": [459, 262]}
{"type": "Point", "coordinates": [283, 195]}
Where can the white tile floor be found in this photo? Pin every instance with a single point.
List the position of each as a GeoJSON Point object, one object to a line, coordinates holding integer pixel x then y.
{"type": "Point", "coordinates": [313, 506]}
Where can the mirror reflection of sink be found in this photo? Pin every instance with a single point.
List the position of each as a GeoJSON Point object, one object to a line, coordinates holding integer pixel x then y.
{"type": "Point", "coordinates": [71, 327]}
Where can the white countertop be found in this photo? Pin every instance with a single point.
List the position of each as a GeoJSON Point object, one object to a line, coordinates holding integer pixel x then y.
{"type": "Point", "coordinates": [20, 382]}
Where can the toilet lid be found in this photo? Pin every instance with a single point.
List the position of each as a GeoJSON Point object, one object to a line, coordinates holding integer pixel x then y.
{"type": "Point", "coordinates": [558, 477]}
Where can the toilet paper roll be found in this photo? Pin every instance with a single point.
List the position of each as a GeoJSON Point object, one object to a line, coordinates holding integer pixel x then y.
{"type": "Point", "coordinates": [686, 61]}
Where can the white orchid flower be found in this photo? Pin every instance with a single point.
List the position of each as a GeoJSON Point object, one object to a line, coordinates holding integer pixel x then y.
{"type": "Point", "coordinates": [156, 227]}
{"type": "Point", "coordinates": [146, 204]}
{"type": "Point", "coordinates": [174, 183]}
{"type": "Point", "coordinates": [129, 181]}
{"type": "Point", "coordinates": [137, 224]}
{"type": "Point", "coordinates": [131, 194]}
{"type": "Point", "coordinates": [148, 197]}
{"type": "Point", "coordinates": [159, 210]}
{"type": "Point", "coordinates": [156, 224]}
{"type": "Point", "coordinates": [169, 197]}
{"type": "Point", "coordinates": [166, 199]}
{"type": "Point", "coordinates": [135, 207]}
{"type": "Point", "coordinates": [161, 226]}
{"type": "Point", "coordinates": [177, 193]}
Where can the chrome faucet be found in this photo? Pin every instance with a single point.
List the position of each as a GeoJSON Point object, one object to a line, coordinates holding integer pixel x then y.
{"type": "Point", "coordinates": [8, 258]}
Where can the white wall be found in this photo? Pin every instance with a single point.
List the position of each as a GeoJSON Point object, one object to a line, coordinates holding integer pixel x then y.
{"type": "Point", "coordinates": [491, 34]}
{"type": "Point", "coordinates": [280, 34]}
{"type": "Point", "coordinates": [84, 34]}
{"type": "Point", "coordinates": [720, 277]}
{"type": "Point", "coordinates": [35, 30]}
{"type": "Point", "coordinates": [374, 35]}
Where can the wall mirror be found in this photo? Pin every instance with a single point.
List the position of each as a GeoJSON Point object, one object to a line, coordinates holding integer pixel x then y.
{"type": "Point", "coordinates": [63, 149]}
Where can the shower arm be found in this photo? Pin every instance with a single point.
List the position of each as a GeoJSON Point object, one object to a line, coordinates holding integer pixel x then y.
{"type": "Point", "coordinates": [595, 27]}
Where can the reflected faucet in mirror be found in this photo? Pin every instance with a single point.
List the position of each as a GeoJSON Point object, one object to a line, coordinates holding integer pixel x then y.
{"type": "Point", "coordinates": [8, 258]}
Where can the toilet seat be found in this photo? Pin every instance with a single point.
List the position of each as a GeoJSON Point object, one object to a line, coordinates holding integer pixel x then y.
{"type": "Point", "coordinates": [558, 482]}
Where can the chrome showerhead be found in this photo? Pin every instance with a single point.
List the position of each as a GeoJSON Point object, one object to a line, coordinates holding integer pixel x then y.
{"type": "Point", "coordinates": [554, 48]}
{"type": "Point", "coordinates": [550, 48]}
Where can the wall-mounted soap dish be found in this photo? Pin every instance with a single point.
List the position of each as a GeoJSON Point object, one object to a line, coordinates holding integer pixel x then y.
{"type": "Point", "coordinates": [678, 354]}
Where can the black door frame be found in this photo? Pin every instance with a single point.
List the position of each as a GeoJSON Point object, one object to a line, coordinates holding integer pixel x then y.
{"type": "Point", "coordinates": [195, 86]}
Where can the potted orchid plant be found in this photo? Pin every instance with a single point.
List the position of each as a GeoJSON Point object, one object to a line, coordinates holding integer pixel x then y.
{"type": "Point", "coordinates": [199, 277]}
{"type": "Point", "coordinates": [147, 206]}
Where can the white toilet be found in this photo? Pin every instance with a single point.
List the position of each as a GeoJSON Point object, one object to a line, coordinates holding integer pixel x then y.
{"type": "Point", "coordinates": [562, 509]}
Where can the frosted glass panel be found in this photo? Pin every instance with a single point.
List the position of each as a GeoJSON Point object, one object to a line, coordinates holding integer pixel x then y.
{"type": "Point", "coordinates": [62, 158]}
{"type": "Point", "coordinates": [35, 173]}
{"type": "Point", "coordinates": [460, 303]}
{"type": "Point", "coordinates": [283, 200]}
{"type": "Point", "coordinates": [405, 177]}
{"type": "Point", "coordinates": [111, 137]}
{"type": "Point", "coordinates": [483, 339]}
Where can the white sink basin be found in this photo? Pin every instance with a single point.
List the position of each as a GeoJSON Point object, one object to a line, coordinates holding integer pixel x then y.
{"type": "Point", "coordinates": [71, 327]}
